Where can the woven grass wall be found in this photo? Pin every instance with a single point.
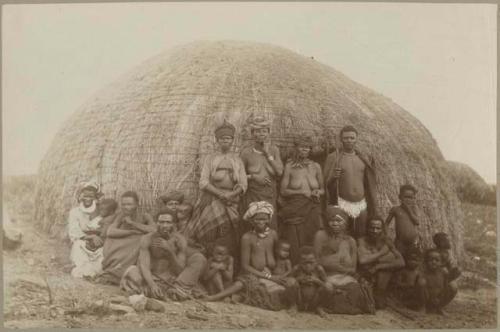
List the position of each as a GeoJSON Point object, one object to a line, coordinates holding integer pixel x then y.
{"type": "Point", "coordinates": [151, 130]}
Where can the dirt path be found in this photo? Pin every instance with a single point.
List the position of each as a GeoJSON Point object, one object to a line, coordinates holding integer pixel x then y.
{"type": "Point", "coordinates": [40, 261]}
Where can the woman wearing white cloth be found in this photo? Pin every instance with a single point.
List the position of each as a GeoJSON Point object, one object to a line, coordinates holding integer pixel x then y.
{"type": "Point", "coordinates": [83, 224]}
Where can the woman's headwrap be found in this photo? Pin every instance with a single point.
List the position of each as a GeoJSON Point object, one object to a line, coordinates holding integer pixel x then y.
{"type": "Point", "coordinates": [225, 129]}
{"type": "Point", "coordinates": [172, 196]}
{"type": "Point", "coordinates": [258, 207]}
{"type": "Point", "coordinates": [259, 122]}
{"type": "Point", "coordinates": [335, 211]}
{"type": "Point", "coordinates": [88, 185]}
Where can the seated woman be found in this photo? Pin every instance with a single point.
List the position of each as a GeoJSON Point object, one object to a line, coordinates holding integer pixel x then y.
{"type": "Point", "coordinates": [121, 247]}
{"type": "Point", "coordinates": [223, 179]}
{"type": "Point", "coordinates": [337, 253]}
{"type": "Point", "coordinates": [258, 286]}
{"type": "Point", "coordinates": [167, 266]}
{"type": "Point", "coordinates": [86, 254]}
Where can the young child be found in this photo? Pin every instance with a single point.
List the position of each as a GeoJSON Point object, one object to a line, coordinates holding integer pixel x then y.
{"type": "Point", "coordinates": [311, 278]}
{"type": "Point", "coordinates": [438, 291]}
{"type": "Point", "coordinates": [409, 282]}
{"type": "Point", "coordinates": [184, 213]}
{"type": "Point", "coordinates": [442, 242]}
{"type": "Point", "coordinates": [219, 273]}
{"type": "Point", "coordinates": [407, 235]}
{"type": "Point", "coordinates": [283, 263]}
{"type": "Point", "coordinates": [99, 225]}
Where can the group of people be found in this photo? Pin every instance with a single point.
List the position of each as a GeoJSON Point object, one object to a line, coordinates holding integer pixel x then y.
{"type": "Point", "coordinates": [268, 233]}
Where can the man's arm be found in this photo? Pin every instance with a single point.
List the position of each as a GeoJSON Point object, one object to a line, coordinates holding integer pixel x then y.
{"type": "Point", "coordinates": [149, 227]}
{"type": "Point", "coordinates": [329, 165]}
{"type": "Point", "coordinates": [229, 272]}
{"type": "Point", "coordinates": [397, 262]}
{"type": "Point", "coordinates": [319, 178]}
{"type": "Point", "coordinates": [389, 218]}
{"type": "Point", "coordinates": [209, 272]}
{"type": "Point", "coordinates": [115, 232]}
{"type": "Point", "coordinates": [178, 260]}
{"type": "Point", "coordinates": [144, 260]}
{"type": "Point", "coordinates": [365, 257]}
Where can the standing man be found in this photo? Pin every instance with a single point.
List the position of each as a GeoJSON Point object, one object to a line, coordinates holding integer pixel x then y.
{"type": "Point", "coordinates": [263, 166]}
{"type": "Point", "coordinates": [350, 182]}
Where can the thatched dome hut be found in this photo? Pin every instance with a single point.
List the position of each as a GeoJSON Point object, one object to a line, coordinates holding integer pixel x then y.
{"type": "Point", "coordinates": [151, 129]}
{"type": "Point", "coordinates": [470, 186]}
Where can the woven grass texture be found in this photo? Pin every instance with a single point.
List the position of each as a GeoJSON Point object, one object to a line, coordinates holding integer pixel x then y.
{"type": "Point", "coordinates": [151, 130]}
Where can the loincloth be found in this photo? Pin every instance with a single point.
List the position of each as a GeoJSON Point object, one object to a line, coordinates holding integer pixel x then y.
{"type": "Point", "coordinates": [353, 209]}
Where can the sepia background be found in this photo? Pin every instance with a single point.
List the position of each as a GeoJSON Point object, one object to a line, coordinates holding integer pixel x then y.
{"type": "Point", "coordinates": [438, 61]}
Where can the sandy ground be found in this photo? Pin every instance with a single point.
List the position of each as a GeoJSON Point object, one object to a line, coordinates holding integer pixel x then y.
{"type": "Point", "coordinates": [30, 303]}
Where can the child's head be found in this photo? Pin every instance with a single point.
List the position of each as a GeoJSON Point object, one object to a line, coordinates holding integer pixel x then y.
{"type": "Point", "coordinates": [219, 253]}
{"type": "Point", "coordinates": [107, 207]}
{"type": "Point", "coordinates": [184, 211]}
{"type": "Point", "coordinates": [407, 194]}
{"type": "Point", "coordinates": [307, 259]}
{"type": "Point", "coordinates": [283, 249]}
{"type": "Point", "coordinates": [413, 259]}
{"type": "Point", "coordinates": [432, 259]}
{"type": "Point", "coordinates": [441, 241]}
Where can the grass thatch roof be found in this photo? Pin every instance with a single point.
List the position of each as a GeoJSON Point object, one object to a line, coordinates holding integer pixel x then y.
{"type": "Point", "coordinates": [470, 186]}
{"type": "Point", "coordinates": [151, 129]}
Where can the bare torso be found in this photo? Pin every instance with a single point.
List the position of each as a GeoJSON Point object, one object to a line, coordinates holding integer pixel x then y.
{"type": "Point", "coordinates": [351, 186]}
{"type": "Point", "coordinates": [406, 231]}
{"type": "Point", "coordinates": [408, 278]}
{"type": "Point", "coordinates": [304, 178]}
{"type": "Point", "coordinates": [281, 266]}
{"type": "Point", "coordinates": [256, 163]}
{"type": "Point", "coordinates": [373, 248]}
{"type": "Point", "coordinates": [335, 251]}
{"type": "Point", "coordinates": [261, 252]}
{"type": "Point", "coordinates": [435, 282]}
{"type": "Point", "coordinates": [160, 260]}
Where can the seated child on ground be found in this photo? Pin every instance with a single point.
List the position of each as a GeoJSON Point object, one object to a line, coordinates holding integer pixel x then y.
{"type": "Point", "coordinates": [312, 282]}
{"type": "Point", "coordinates": [410, 283]}
{"type": "Point", "coordinates": [219, 273]}
{"type": "Point", "coordinates": [443, 245]}
{"type": "Point", "coordinates": [98, 225]}
{"type": "Point", "coordinates": [283, 263]}
{"type": "Point", "coordinates": [438, 290]}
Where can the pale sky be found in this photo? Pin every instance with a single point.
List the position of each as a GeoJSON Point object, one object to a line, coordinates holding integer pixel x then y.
{"type": "Point", "coordinates": [438, 61]}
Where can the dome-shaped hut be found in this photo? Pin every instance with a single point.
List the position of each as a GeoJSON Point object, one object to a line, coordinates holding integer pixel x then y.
{"type": "Point", "coordinates": [150, 130]}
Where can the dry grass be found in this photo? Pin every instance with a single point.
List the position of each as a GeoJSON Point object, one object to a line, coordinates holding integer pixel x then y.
{"type": "Point", "coordinates": [151, 130]}
{"type": "Point", "coordinates": [470, 186]}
